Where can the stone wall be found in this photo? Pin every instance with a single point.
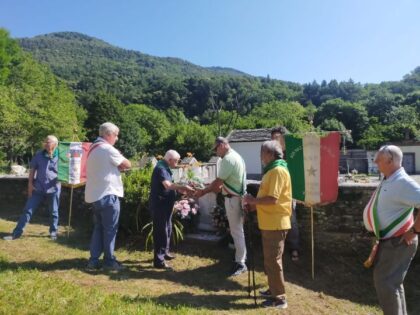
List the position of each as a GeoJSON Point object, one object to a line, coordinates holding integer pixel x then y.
{"type": "Point", "coordinates": [13, 195]}
{"type": "Point", "coordinates": [345, 215]}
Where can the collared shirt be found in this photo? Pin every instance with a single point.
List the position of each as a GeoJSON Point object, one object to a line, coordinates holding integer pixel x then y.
{"type": "Point", "coordinates": [232, 172]}
{"type": "Point", "coordinates": [46, 172]}
{"type": "Point", "coordinates": [397, 193]}
{"type": "Point", "coordinates": [275, 183]}
{"type": "Point", "coordinates": [102, 174]}
{"type": "Point", "coordinates": [158, 193]}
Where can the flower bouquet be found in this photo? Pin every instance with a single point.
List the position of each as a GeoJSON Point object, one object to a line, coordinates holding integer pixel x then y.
{"type": "Point", "coordinates": [185, 210]}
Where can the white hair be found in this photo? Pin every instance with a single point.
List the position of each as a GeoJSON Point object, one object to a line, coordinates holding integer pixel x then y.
{"type": "Point", "coordinates": [108, 128]}
{"type": "Point", "coordinates": [273, 147]}
{"type": "Point", "coordinates": [52, 138]}
{"type": "Point", "coordinates": [393, 152]}
{"type": "Point", "coordinates": [171, 154]}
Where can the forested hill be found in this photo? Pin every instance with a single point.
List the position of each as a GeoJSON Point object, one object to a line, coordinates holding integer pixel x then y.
{"type": "Point", "coordinates": [89, 64]}
{"type": "Point", "coordinates": [107, 80]}
{"type": "Point", "coordinates": [55, 48]}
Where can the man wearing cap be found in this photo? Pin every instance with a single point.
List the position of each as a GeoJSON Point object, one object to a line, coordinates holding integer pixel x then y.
{"type": "Point", "coordinates": [232, 179]}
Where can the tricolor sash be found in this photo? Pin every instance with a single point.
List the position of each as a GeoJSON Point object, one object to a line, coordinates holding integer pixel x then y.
{"type": "Point", "coordinates": [396, 228]}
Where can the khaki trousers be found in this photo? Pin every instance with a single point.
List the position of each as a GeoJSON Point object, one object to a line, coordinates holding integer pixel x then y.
{"type": "Point", "coordinates": [273, 247]}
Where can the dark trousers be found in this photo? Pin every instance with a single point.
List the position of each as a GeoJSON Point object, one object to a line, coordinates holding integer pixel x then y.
{"type": "Point", "coordinates": [162, 231]}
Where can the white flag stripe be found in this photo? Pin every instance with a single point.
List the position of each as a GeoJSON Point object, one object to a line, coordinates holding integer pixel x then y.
{"type": "Point", "coordinates": [312, 167]}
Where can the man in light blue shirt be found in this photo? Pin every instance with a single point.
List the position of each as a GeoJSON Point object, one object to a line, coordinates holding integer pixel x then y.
{"type": "Point", "coordinates": [42, 184]}
{"type": "Point", "coordinates": [389, 215]}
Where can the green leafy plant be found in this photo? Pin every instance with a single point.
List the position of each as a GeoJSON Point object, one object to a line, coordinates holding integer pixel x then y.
{"type": "Point", "coordinates": [136, 199]}
{"type": "Point", "coordinates": [177, 232]}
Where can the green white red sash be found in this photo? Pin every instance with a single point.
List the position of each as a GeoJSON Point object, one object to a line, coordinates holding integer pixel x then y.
{"type": "Point", "coordinates": [396, 228]}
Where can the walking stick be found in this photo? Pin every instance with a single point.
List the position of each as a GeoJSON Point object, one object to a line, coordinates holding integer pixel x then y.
{"type": "Point", "coordinates": [251, 268]}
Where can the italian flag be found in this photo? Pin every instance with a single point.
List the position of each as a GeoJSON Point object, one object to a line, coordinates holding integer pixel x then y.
{"type": "Point", "coordinates": [312, 160]}
{"type": "Point", "coordinates": [72, 158]}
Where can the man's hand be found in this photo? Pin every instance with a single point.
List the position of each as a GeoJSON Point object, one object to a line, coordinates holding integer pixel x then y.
{"type": "Point", "coordinates": [249, 199]}
{"type": "Point", "coordinates": [408, 237]}
{"type": "Point", "coordinates": [30, 189]}
{"type": "Point", "coordinates": [187, 190]}
{"type": "Point", "coordinates": [249, 208]}
{"type": "Point", "coordinates": [199, 193]}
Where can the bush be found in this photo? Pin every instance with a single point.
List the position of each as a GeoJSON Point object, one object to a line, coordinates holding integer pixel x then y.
{"type": "Point", "coordinates": [135, 204]}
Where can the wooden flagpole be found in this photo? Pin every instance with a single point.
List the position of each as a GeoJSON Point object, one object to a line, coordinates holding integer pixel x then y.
{"type": "Point", "coordinates": [312, 243]}
{"type": "Point", "coordinates": [71, 203]}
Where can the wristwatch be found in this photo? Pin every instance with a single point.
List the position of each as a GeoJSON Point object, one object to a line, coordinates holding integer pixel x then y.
{"type": "Point", "coordinates": [413, 230]}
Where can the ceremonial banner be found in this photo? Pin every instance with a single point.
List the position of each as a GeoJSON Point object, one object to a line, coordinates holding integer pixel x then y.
{"type": "Point", "coordinates": [313, 160]}
{"type": "Point", "coordinates": [72, 158]}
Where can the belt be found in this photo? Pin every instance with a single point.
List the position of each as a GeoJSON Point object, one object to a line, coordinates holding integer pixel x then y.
{"type": "Point", "coordinates": [230, 196]}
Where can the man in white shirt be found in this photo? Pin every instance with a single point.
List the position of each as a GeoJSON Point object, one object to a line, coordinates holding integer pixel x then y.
{"type": "Point", "coordinates": [103, 188]}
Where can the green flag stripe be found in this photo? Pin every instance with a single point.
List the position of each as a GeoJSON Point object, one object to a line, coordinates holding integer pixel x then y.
{"type": "Point", "coordinates": [294, 158]}
{"type": "Point", "coordinates": [63, 161]}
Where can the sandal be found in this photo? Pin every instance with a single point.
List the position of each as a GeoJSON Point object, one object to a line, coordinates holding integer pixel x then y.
{"type": "Point", "coordinates": [295, 255]}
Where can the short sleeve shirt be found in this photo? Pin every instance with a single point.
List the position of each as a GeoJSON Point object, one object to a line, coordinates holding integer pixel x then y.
{"type": "Point", "coordinates": [275, 183]}
{"type": "Point", "coordinates": [232, 172]}
{"type": "Point", "coordinates": [46, 172]}
{"type": "Point", "coordinates": [102, 174]}
{"type": "Point", "coordinates": [158, 194]}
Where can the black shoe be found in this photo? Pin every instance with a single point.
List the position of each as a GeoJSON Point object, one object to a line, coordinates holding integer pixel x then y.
{"type": "Point", "coordinates": [275, 303]}
{"type": "Point", "coordinates": [238, 269]}
{"type": "Point", "coordinates": [114, 266]}
{"type": "Point", "coordinates": [266, 293]}
{"type": "Point", "coordinates": [162, 266]}
{"type": "Point", "coordinates": [92, 266]}
{"type": "Point", "coordinates": [169, 256]}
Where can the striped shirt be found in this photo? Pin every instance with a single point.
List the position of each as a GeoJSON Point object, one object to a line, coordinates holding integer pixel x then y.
{"type": "Point", "coordinates": [389, 212]}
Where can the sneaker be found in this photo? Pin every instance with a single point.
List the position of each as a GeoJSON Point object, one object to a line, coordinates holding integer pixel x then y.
{"type": "Point", "coordinates": [10, 237]}
{"type": "Point", "coordinates": [92, 266]}
{"type": "Point", "coordinates": [115, 266]}
{"type": "Point", "coordinates": [266, 293]}
{"type": "Point", "coordinates": [238, 269]}
{"type": "Point", "coordinates": [163, 265]}
{"type": "Point", "coordinates": [53, 236]}
{"type": "Point", "coordinates": [276, 303]}
{"type": "Point", "coordinates": [169, 256]}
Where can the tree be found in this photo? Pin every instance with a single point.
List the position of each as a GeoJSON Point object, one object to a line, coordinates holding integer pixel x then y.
{"type": "Point", "coordinates": [353, 115]}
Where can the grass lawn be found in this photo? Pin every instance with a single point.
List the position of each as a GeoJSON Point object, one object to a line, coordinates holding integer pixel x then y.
{"type": "Point", "coordinates": [40, 276]}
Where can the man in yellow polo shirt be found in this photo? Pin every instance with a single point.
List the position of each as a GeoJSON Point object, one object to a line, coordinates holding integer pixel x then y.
{"type": "Point", "coordinates": [274, 208]}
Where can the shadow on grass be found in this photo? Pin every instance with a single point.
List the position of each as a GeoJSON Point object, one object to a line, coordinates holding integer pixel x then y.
{"type": "Point", "coordinates": [208, 301]}
{"type": "Point", "coordinates": [206, 277]}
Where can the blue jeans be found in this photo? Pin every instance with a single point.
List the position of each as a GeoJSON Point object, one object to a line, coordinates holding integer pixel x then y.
{"type": "Point", "coordinates": [32, 204]}
{"type": "Point", "coordinates": [106, 213]}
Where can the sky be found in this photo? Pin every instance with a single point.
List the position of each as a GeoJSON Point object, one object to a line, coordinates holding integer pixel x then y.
{"type": "Point", "coordinates": [369, 41]}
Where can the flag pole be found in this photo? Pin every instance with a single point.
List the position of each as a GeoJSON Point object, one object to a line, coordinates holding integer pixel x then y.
{"type": "Point", "coordinates": [312, 243]}
{"type": "Point", "coordinates": [71, 203]}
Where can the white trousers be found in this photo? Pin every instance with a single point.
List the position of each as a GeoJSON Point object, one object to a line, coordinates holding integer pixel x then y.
{"type": "Point", "coordinates": [235, 217]}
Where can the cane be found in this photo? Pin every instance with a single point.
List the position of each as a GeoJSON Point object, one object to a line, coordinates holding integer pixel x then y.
{"type": "Point", "coordinates": [251, 265]}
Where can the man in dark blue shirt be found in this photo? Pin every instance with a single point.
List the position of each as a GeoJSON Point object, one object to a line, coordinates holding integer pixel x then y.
{"type": "Point", "coordinates": [42, 183]}
{"type": "Point", "coordinates": [161, 203]}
